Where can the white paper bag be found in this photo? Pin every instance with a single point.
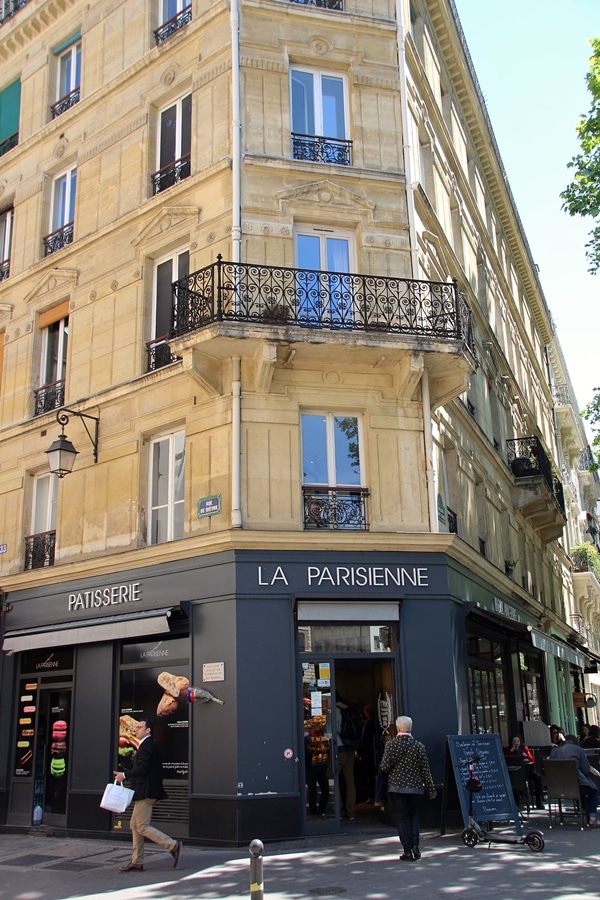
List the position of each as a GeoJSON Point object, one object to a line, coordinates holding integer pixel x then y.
{"type": "Point", "coordinates": [116, 798]}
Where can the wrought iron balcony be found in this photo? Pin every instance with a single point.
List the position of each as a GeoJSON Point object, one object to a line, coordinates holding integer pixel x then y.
{"type": "Point", "coordinates": [243, 292]}
{"type": "Point", "coordinates": [171, 174]}
{"type": "Point", "coordinates": [314, 148]}
{"type": "Point", "coordinates": [65, 102]}
{"type": "Point", "coordinates": [58, 239]}
{"type": "Point", "coordinates": [8, 143]}
{"type": "Point", "coordinates": [9, 7]}
{"type": "Point", "coordinates": [39, 550]}
{"type": "Point", "coordinates": [586, 460]}
{"type": "Point", "coordinates": [528, 459]}
{"type": "Point", "coordinates": [49, 397]}
{"type": "Point", "coordinates": [562, 395]}
{"type": "Point", "coordinates": [159, 354]}
{"type": "Point", "coordinates": [335, 508]}
{"type": "Point", "coordinates": [4, 269]}
{"type": "Point", "coordinates": [173, 24]}
{"type": "Point", "coordinates": [323, 4]}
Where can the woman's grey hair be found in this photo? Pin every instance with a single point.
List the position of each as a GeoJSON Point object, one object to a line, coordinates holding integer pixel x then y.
{"type": "Point", "coordinates": [404, 724]}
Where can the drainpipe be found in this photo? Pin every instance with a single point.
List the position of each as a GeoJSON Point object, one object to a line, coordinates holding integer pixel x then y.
{"type": "Point", "coordinates": [236, 433]}
{"type": "Point", "coordinates": [414, 255]}
{"type": "Point", "coordinates": [236, 135]}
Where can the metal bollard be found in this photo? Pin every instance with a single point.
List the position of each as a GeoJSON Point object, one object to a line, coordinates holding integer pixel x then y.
{"type": "Point", "coordinates": [256, 869]}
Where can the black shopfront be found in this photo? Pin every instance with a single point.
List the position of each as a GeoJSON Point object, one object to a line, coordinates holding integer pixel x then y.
{"type": "Point", "coordinates": [274, 635]}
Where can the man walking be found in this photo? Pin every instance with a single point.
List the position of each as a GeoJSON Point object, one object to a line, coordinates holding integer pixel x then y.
{"type": "Point", "coordinates": [146, 779]}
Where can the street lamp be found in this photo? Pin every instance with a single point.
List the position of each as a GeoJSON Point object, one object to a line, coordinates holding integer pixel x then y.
{"type": "Point", "coordinates": [61, 454]}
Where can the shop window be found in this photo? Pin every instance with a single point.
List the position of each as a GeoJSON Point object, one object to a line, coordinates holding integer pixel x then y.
{"type": "Point", "coordinates": [319, 117]}
{"type": "Point", "coordinates": [55, 335]}
{"type": "Point", "coordinates": [69, 77]}
{"type": "Point", "coordinates": [6, 219]}
{"type": "Point", "coordinates": [334, 496]}
{"type": "Point", "coordinates": [173, 15]}
{"type": "Point", "coordinates": [166, 272]}
{"type": "Point", "coordinates": [325, 293]}
{"type": "Point", "coordinates": [62, 217]}
{"type": "Point", "coordinates": [167, 472]}
{"type": "Point", "coordinates": [40, 544]}
{"type": "Point", "coordinates": [10, 107]}
{"type": "Point", "coordinates": [174, 145]}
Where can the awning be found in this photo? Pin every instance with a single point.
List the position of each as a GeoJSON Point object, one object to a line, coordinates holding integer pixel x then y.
{"type": "Point", "coordinates": [86, 631]}
{"type": "Point", "coordinates": [557, 648]}
{"type": "Point", "coordinates": [348, 611]}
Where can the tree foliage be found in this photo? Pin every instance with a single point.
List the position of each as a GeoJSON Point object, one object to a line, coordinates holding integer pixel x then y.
{"type": "Point", "coordinates": [582, 196]}
{"type": "Point", "coordinates": [592, 414]}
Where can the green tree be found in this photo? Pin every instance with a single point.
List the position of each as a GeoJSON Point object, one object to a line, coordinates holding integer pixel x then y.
{"type": "Point", "coordinates": [582, 196]}
{"type": "Point", "coordinates": [592, 414]}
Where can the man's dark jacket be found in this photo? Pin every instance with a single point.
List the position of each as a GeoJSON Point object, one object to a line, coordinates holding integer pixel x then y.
{"type": "Point", "coordinates": [145, 776]}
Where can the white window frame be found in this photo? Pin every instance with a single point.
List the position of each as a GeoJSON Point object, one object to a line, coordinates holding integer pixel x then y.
{"type": "Point", "coordinates": [173, 503]}
{"type": "Point", "coordinates": [317, 76]}
{"type": "Point", "coordinates": [71, 55]}
{"type": "Point", "coordinates": [44, 503]}
{"type": "Point", "coordinates": [178, 104]}
{"type": "Point", "coordinates": [57, 366]}
{"type": "Point", "coordinates": [6, 220]}
{"type": "Point", "coordinates": [62, 210]}
{"type": "Point", "coordinates": [180, 6]}
{"type": "Point", "coordinates": [330, 418]}
{"type": "Point", "coordinates": [323, 233]}
{"type": "Point", "coordinates": [176, 260]}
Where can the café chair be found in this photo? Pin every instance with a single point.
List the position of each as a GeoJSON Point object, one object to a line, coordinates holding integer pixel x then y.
{"type": "Point", "coordinates": [562, 786]}
{"type": "Point", "coordinates": [517, 772]}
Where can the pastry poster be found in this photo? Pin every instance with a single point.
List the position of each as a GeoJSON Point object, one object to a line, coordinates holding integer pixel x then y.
{"type": "Point", "coordinates": [158, 694]}
{"type": "Point", "coordinates": [26, 721]}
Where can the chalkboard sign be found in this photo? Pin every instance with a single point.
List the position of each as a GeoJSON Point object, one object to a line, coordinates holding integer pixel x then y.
{"type": "Point", "coordinates": [495, 802]}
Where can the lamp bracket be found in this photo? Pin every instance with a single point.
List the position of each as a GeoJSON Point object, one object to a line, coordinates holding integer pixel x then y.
{"type": "Point", "coordinates": [62, 417]}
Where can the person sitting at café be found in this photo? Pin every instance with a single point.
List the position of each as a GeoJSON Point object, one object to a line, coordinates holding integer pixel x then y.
{"type": "Point", "coordinates": [557, 735]}
{"type": "Point", "coordinates": [519, 750]}
{"type": "Point", "coordinates": [570, 749]}
{"type": "Point", "coordinates": [593, 738]}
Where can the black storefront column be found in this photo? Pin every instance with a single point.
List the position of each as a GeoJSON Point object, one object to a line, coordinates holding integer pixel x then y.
{"type": "Point", "coordinates": [243, 782]}
{"type": "Point", "coordinates": [93, 741]}
{"type": "Point", "coordinates": [8, 677]}
{"type": "Point", "coordinates": [434, 673]}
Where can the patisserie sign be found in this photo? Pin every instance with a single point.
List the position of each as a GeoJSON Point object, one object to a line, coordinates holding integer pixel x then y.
{"type": "Point", "coordinates": [108, 596]}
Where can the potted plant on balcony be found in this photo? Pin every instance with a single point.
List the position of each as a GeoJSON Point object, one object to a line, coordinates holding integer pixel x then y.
{"type": "Point", "coordinates": [510, 566]}
{"type": "Point", "coordinates": [586, 558]}
{"type": "Point", "coordinates": [275, 313]}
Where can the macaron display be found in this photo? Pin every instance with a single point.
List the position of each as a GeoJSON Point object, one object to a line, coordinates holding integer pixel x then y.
{"type": "Point", "coordinates": [58, 748]}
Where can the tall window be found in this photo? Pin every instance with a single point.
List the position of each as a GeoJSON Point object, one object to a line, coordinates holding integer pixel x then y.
{"type": "Point", "coordinates": [10, 105]}
{"type": "Point", "coordinates": [319, 117]}
{"type": "Point", "coordinates": [174, 145]}
{"type": "Point", "coordinates": [62, 212]}
{"type": "Point", "coordinates": [40, 543]}
{"type": "Point", "coordinates": [69, 79]}
{"type": "Point", "coordinates": [167, 471]}
{"type": "Point", "coordinates": [331, 472]}
{"type": "Point", "coordinates": [5, 240]}
{"type": "Point", "coordinates": [173, 15]}
{"type": "Point", "coordinates": [51, 393]}
{"type": "Point", "coordinates": [327, 298]}
{"type": "Point", "coordinates": [165, 273]}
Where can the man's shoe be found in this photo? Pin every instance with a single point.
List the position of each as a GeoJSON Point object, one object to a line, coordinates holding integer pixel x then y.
{"type": "Point", "coordinates": [416, 853]}
{"type": "Point", "coordinates": [131, 867]}
{"type": "Point", "coordinates": [407, 855]}
{"type": "Point", "coordinates": [175, 853]}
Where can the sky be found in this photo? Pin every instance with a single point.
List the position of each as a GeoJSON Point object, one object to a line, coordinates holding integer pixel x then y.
{"type": "Point", "coordinates": [531, 58]}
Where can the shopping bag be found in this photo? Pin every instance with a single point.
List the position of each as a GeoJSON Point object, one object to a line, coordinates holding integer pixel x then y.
{"type": "Point", "coordinates": [116, 798]}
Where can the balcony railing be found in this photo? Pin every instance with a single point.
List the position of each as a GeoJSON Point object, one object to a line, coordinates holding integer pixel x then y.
{"type": "Point", "coordinates": [9, 7]}
{"type": "Point", "coordinates": [4, 269]}
{"type": "Point", "coordinates": [562, 395]}
{"type": "Point", "coordinates": [173, 24]}
{"type": "Point", "coordinates": [65, 102]}
{"type": "Point", "coordinates": [242, 292]}
{"type": "Point", "coordinates": [49, 397]}
{"type": "Point", "coordinates": [58, 239]}
{"type": "Point", "coordinates": [586, 460]}
{"type": "Point", "coordinates": [527, 458]}
{"type": "Point", "coordinates": [314, 148]}
{"type": "Point", "coordinates": [336, 509]}
{"type": "Point", "coordinates": [324, 4]}
{"type": "Point", "coordinates": [171, 174]}
{"type": "Point", "coordinates": [159, 354]}
{"type": "Point", "coordinates": [39, 550]}
{"type": "Point", "coordinates": [8, 143]}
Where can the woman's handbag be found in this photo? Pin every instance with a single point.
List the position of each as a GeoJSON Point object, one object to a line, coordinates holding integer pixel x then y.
{"type": "Point", "coordinates": [116, 798]}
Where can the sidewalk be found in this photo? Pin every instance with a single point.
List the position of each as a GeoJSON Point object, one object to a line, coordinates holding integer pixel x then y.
{"type": "Point", "coordinates": [350, 866]}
